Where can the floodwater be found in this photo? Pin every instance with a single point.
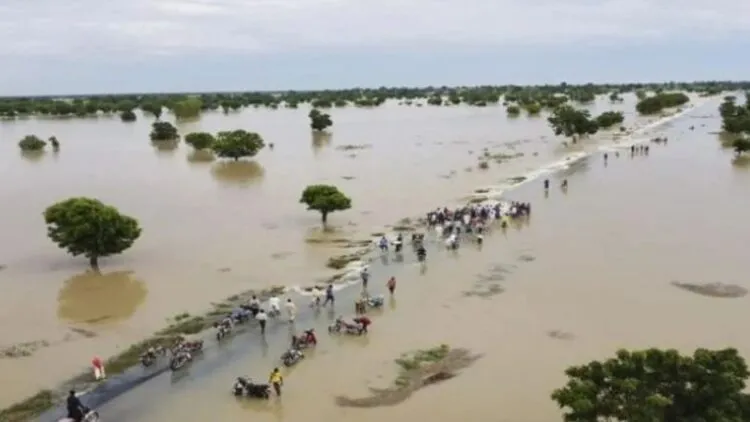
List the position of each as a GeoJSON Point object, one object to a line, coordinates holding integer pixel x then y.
{"type": "Point", "coordinates": [203, 222]}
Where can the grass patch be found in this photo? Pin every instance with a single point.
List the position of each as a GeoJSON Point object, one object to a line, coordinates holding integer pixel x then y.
{"type": "Point", "coordinates": [180, 317]}
{"type": "Point", "coordinates": [192, 325]}
{"type": "Point", "coordinates": [339, 262]}
{"type": "Point", "coordinates": [410, 362]}
{"type": "Point", "coordinates": [29, 408]}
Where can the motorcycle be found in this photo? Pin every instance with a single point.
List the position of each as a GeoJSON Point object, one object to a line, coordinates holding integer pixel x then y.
{"type": "Point", "coordinates": [292, 356]}
{"type": "Point", "coordinates": [149, 357]}
{"type": "Point", "coordinates": [307, 339]}
{"type": "Point", "coordinates": [375, 301]}
{"type": "Point", "coordinates": [180, 359]}
{"type": "Point", "coordinates": [245, 387]}
{"type": "Point", "coordinates": [88, 416]}
{"type": "Point", "coordinates": [340, 326]}
{"type": "Point", "coordinates": [222, 330]}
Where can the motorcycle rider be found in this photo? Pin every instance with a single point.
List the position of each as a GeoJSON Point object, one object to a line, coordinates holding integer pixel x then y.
{"type": "Point", "coordinates": [254, 305]}
{"type": "Point", "coordinates": [76, 409]}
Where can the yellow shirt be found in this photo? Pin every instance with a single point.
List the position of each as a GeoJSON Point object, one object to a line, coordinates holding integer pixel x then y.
{"type": "Point", "coordinates": [275, 378]}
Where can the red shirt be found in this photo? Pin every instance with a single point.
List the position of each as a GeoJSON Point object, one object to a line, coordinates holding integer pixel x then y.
{"type": "Point", "coordinates": [364, 320]}
{"type": "Point", "coordinates": [96, 362]}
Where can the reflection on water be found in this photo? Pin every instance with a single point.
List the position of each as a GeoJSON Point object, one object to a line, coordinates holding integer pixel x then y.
{"type": "Point", "coordinates": [33, 156]}
{"type": "Point", "coordinates": [201, 156]}
{"type": "Point", "coordinates": [320, 140]}
{"type": "Point", "coordinates": [166, 146]}
{"type": "Point", "coordinates": [100, 298]}
{"type": "Point", "coordinates": [241, 173]}
{"type": "Point", "coordinates": [741, 162]}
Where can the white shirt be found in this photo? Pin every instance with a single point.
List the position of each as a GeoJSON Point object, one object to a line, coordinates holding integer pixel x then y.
{"type": "Point", "coordinates": [291, 308]}
{"type": "Point", "coordinates": [274, 302]}
{"type": "Point", "coordinates": [317, 293]}
{"type": "Point", "coordinates": [261, 316]}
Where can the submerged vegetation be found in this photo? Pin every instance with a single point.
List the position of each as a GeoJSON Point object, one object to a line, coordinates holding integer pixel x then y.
{"type": "Point", "coordinates": [190, 105]}
{"type": "Point", "coordinates": [735, 120]}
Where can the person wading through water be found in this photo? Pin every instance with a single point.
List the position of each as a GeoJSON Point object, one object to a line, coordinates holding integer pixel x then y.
{"type": "Point", "coordinates": [276, 380]}
{"type": "Point", "coordinates": [262, 319]}
{"type": "Point", "coordinates": [365, 275]}
{"type": "Point", "coordinates": [329, 295]}
{"type": "Point", "coordinates": [391, 285]}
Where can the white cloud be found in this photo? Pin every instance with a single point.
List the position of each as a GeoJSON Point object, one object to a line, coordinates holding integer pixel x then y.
{"type": "Point", "coordinates": [142, 27]}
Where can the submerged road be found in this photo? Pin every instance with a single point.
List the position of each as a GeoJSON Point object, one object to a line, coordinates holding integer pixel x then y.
{"type": "Point", "coordinates": [144, 386]}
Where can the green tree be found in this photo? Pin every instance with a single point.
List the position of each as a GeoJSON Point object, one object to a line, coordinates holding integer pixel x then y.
{"type": "Point", "coordinates": [571, 122]}
{"type": "Point", "coordinates": [236, 144]}
{"type": "Point", "coordinates": [319, 121]}
{"type": "Point", "coordinates": [154, 108]}
{"type": "Point", "coordinates": [513, 110]}
{"type": "Point", "coordinates": [200, 140]}
{"type": "Point", "coordinates": [127, 116]}
{"type": "Point", "coordinates": [658, 386]}
{"type": "Point", "coordinates": [163, 131]}
{"type": "Point", "coordinates": [31, 143]}
{"type": "Point", "coordinates": [325, 199]}
{"type": "Point", "coordinates": [609, 119]}
{"type": "Point", "coordinates": [741, 145]}
{"type": "Point", "coordinates": [533, 108]}
{"type": "Point", "coordinates": [656, 103]}
{"type": "Point", "coordinates": [86, 226]}
{"type": "Point", "coordinates": [187, 108]}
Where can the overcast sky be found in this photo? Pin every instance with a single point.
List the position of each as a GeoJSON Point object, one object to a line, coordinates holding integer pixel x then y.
{"type": "Point", "coordinates": [94, 46]}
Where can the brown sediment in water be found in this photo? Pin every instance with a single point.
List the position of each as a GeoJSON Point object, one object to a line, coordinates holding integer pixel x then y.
{"type": "Point", "coordinates": [238, 172]}
{"type": "Point", "coordinates": [720, 290]}
{"type": "Point", "coordinates": [95, 298]}
{"type": "Point", "coordinates": [417, 370]}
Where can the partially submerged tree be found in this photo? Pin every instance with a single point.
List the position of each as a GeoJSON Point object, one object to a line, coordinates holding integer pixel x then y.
{"type": "Point", "coordinates": [31, 143]}
{"type": "Point", "coordinates": [127, 116]}
{"type": "Point", "coordinates": [163, 131]}
{"type": "Point", "coordinates": [237, 144]}
{"type": "Point", "coordinates": [656, 103]}
{"type": "Point", "coordinates": [319, 121]}
{"type": "Point", "coordinates": [571, 122]}
{"type": "Point", "coordinates": [200, 140]}
{"type": "Point", "coordinates": [658, 385]}
{"type": "Point", "coordinates": [187, 108]}
{"type": "Point", "coordinates": [609, 119]}
{"type": "Point", "coordinates": [325, 199]}
{"type": "Point", "coordinates": [154, 108]}
{"type": "Point", "coordinates": [513, 110]}
{"type": "Point", "coordinates": [86, 226]}
{"type": "Point", "coordinates": [741, 145]}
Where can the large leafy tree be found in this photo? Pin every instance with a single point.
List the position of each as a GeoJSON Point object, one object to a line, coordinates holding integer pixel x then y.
{"type": "Point", "coordinates": [609, 119]}
{"type": "Point", "coordinates": [163, 131]}
{"type": "Point", "coordinates": [237, 144]}
{"type": "Point", "coordinates": [200, 140]}
{"type": "Point", "coordinates": [86, 226]}
{"type": "Point", "coordinates": [32, 143]}
{"type": "Point", "coordinates": [572, 122]}
{"type": "Point", "coordinates": [658, 386]}
{"type": "Point", "coordinates": [325, 199]}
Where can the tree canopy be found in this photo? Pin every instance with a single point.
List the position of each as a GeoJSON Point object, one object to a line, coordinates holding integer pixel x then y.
{"type": "Point", "coordinates": [656, 103]}
{"type": "Point", "coordinates": [31, 143]}
{"type": "Point", "coordinates": [128, 116]}
{"type": "Point", "coordinates": [237, 144]}
{"type": "Point", "coordinates": [741, 145]}
{"type": "Point", "coordinates": [325, 199]}
{"type": "Point", "coordinates": [658, 385]}
{"type": "Point", "coordinates": [163, 131]}
{"type": "Point", "coordinates": [319, 121]}
{"type": "Point", "coordinates": [187, 108]}
{"type": "Point", "coordinates": [735, 118]}
{"type": "Point", "coordinates": [86, 226]}
{"type": "Point", "coordinates": [571, 122]}
{"type": "Point", "coordinates": [609, 119]}
{"type": "Point", "coordinates": [200, 140]}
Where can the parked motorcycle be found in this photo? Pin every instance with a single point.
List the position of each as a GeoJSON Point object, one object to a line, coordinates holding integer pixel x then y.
{"type": "Point", "coordinates": [245, 387]}
{"type": "Point", "coordinates": [180, 359]}
{"type": "Point", "coordinates": [292, 356]}
{"type": "Point", "coordinates": [150, 356]}
{"type": "Point", "coordinates": [342, 327]}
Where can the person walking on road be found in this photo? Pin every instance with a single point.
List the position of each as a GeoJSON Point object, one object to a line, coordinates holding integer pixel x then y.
{"type": "Point", "coordinates": [329, 295]}
{"type": "Point", "coordinates": [262, 318]}
{"type": "Point", "coordinates": [365, 275]}
{"type": "Point", "coordinates": [291, 309]}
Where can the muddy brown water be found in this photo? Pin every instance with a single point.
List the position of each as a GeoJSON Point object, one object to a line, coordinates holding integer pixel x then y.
{"type": "Point", "coordinates": [613, 244]}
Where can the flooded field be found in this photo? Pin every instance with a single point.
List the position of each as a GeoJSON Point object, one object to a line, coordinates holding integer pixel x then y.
{"type": "Point", "coordinates": [594, 270]}
{"type": "Point", "coordinates": [212, 229]}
